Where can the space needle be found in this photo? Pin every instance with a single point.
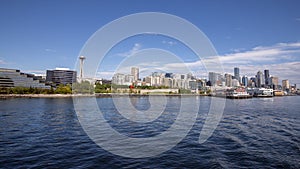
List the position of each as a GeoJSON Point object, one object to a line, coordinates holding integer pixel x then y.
{"type": "Point", "coordinates": [82, 58]}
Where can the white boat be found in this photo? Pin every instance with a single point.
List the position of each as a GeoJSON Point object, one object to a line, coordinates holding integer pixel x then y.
{"type": "Point", "coordinates": [238, 93]}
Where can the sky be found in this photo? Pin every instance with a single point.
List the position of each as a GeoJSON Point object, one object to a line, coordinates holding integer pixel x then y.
{"type": "Point", "coordinates": [251, 34]}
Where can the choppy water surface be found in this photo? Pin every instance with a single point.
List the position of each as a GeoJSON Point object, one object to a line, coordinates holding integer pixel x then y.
{"type": "Point", "coordinates": [253, 133]}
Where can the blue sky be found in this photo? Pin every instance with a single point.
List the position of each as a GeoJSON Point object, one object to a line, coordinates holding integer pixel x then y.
{"type": "Point", "coordinates": [253, 35]}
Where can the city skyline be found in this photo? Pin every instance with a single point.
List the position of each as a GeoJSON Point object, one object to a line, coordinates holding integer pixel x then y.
{"type": "Point", "coordinates": [260, 79]}
{"type": "Point", "coordinates": [37, 36]}
{"type": "Point", "coordinates": [134, 72]}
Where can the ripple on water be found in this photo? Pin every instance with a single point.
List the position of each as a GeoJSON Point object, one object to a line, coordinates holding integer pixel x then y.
{"type": "Point", "coordinates": [253, 133]}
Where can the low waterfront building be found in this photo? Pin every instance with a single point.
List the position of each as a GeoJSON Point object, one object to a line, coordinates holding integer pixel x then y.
{"type": "Point", "coordinates": [158, 91]}
{"type": "Point", "coordinates": [16, 78]}
{"type": "Point", "coordinates": [6, 82]}
{"type": "Point", "coordinates": [260, 92]}
{"type": "Point", "coordinates": [278, 93]}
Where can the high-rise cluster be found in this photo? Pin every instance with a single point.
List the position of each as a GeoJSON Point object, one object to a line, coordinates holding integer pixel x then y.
{"type": "Point", "coordinates": [260, 80]}
{"type": "Point", "coordinates": [157, 79]}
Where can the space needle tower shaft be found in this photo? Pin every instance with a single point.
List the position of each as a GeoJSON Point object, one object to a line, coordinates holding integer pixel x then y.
{"type": "Point", "coordinates": [82, 58]}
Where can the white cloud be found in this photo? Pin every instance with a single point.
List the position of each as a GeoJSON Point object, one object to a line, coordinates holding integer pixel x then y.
{"type": "Point", "coordinates": [282, 59]}
{"type": "Point", "coordinates": [50, 50]}
{"type": "Point", "coordinates": [35, 72]}
{"type": "Point", "coordinates": [288, 70]}
{"type": "Point", "coordinates": [105, 75]}
{"type": "Point", "coordinates": [171, 43]}
{"type": "Point", "coordinates": [280, 52]}
{"type": "Point", "coordinates": [237, 50]}
{"type": "Point", "coordinates": [136, 47]}
{"type": "Point", "coordinates": [2, 62]}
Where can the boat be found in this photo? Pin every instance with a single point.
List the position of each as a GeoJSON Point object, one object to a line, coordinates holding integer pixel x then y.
{"type": "Point", "coordinates": [238, 93]}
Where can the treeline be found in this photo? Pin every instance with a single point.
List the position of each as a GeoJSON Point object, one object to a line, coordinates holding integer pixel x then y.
{"type": "Point", "coordinates": [62, 89]}
{"type": "Point", "coordinates": [84, 87]}
{"type": "Point", "coordinates": [26, 90]}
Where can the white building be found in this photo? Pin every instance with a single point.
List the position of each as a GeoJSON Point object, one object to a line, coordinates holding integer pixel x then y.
{"type": "Point", "coordinates": [135, 73]}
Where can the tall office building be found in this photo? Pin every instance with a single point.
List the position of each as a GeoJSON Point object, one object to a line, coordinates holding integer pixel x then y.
{"type": "Point", "coordinates": [252, 82]}
{"type": "Point", "coordinates": [216, 79]}
{"type": "Point", "coordinates": [285, 85]}
{"type": "Point", "coordinates": [235, 83]}
{"type": "Point", "coordinates": [267, 77]}
{"type": "Point", "coordinates": [245, 81]}
{"type": "Point", "coordinates": [135, 73]}
{"type": "Point", "coordinates": [213, 78]}
{"type": "Point", "coordinates": [60, 76]}
{"type": "Point", "coordinates": [260, 79]}
{"type": "Point", "coordinates": [228, 80]}
{"type": "Point", "coordinates": [168, 75]}
{"type": "Point", "coordinates": [118, 79]}
{"type": "Point", "coordinates": [237, 74]}
{"type": "Point", "coordinates": [274, 82]}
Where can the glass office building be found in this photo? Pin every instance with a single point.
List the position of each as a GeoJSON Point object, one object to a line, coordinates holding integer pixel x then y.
{"type": "Point", "coordinates": [60, 76]}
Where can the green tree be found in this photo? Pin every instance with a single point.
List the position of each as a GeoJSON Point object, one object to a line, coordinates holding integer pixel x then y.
{"type": "Point", "coordinates": [84, 87]}
{"type": "Point", "coordinates": [103, 88]}
{"type": "Point", "coordinates": [63, 89]}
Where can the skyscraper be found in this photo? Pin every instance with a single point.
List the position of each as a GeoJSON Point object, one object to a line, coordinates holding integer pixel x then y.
{"type": "Point", "coordinates": [274, 82]}
{"type": "Point", "coordinates": [253, 82]}
{"type": "Point", "coordinates": [259, 79]}
{"type": "Point", "coordinates": [213, 78]}
{"type": "Point", "coordinates": [228, 80]}
{"type": "Point", "coordinates": [237, 74]}
{"type": "Point", "coordinates": [135, 73]}
{"type": "Point", "coordinates": [285, 85]}
{"type": "Point", "coordinates": [267, 77]}
{"type": "Point", "coordinates": [245, 81]}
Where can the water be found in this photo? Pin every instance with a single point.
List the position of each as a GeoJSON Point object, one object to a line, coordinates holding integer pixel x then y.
{"type": "Point", "coordinates": [253, 133]}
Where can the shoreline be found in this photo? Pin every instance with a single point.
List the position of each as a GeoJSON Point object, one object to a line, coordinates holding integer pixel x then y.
{"type": "Point", "coordinates": [99, 95]}
{"type": "Point", "coordinates": [4, 96]}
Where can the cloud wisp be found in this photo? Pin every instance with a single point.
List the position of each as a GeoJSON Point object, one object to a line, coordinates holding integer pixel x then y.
{"type": "Point", "coordinates": [136, 47]}
{"type": "Point", "coordinates": [50, 50]}
{"type": "Point", "coordinates": [282, 59]}
{"type": "Point", "coordinates": [170, 43]}
{"type": "Point", "coordinates": [2, 62]}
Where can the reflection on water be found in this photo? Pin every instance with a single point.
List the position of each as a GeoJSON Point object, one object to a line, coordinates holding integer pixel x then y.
{"type": "Point", "coordinates": [253, 133]}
